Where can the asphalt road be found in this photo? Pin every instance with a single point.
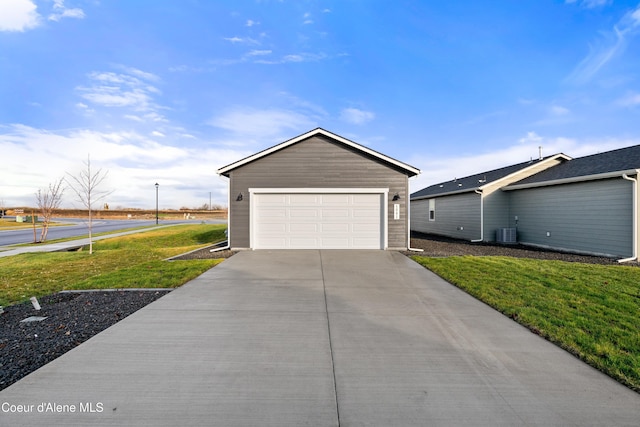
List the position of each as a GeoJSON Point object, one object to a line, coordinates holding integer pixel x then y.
{"type": "Point", "coordinates": [79, 227]}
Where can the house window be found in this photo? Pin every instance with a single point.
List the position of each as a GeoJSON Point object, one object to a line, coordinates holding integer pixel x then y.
{"type": "Point", "coordinates": [432, 209]}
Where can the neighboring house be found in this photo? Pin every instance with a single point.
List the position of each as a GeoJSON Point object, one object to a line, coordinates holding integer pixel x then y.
{"type": "Point", "coordinates": [472, 207]}
{"type": "Point", "coordinates": [583, 205]}
{"type": "Point", "coordinates": [318, 191]}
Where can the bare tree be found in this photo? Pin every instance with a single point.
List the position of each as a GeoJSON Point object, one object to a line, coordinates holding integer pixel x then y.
{"type": "Point", "coordinates": [48, 201]}
{"type": "Point", "coordinates": [86, 186]}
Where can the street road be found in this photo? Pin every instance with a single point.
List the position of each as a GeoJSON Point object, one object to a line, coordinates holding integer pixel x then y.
{"type": "Point", "coordinates": [79, 227]}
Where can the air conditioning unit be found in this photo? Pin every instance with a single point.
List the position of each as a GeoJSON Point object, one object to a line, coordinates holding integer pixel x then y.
{"type": "Point", "coordinates": [506, 235]}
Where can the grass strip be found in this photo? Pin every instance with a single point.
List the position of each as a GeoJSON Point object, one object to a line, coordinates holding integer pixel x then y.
{"type": "Point", "coordinates": [132, 261]}
{"type": "Point", "coordinates": [592, 311]}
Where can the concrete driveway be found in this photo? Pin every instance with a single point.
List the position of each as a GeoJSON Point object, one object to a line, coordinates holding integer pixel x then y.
{"type": "Point", "coordinates": [318, 338]}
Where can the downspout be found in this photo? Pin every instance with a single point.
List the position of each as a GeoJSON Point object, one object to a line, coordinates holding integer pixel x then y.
{"type": "Point", "coordinates": [635, 218]}
{"type": "Point", "coordinates": [227, 246]}
{"type": "Point", "coordinates": [409, 248]}
{"type": "Point", "coordinates": [481, 217]}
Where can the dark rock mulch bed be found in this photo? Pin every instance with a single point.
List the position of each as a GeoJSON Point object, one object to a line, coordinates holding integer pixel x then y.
{"type": "Point", "coordinates": [205, 253]}
{"type": "Point", "coordinates": [439, 246]}
{"type": "Point", "coordinates": [71, 319]}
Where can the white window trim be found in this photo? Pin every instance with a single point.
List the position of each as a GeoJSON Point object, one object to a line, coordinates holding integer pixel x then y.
{"type": "Point", "coordinates": [432, 203]}
{"type": "Point", "coordinates": [324, 190]}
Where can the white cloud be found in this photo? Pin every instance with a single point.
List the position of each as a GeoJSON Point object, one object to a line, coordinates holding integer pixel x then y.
{"type": "Point", "coordinates": [60, 11]}
{"type": "Point", "coordinates": [558, 110]}
{"type": "Point", "coordinates": [294, 58]}
{"type": "Point", "coordinates": [134, 162]}
{"type": "Point", "coordinates": [158, 134]}
{"type": "Point", "coordinates": [631, 100]}
{"type": "Point", "coordinates": [611, 45]}
{"type": "Point", "coordinates": [259, 53]}
{"type": "Point", "coordinates": [251, 23]}
{"type": "Point", "coordinates": [18, 15]}
{"type": "Point", "coordinates": [268, 123]}
{"type": "Point", "coordinates": [246, 40]}
{"type": "Point", "coordinates": [130, 90]}
{"type": "Point", "coordinates": [531, 137]}
{"type": "Point", "coordinates": [356, 116]}
{"type": "Point", "coordinates": [590, 4]}
{"type": "Point", "coordinates": [636, 16]}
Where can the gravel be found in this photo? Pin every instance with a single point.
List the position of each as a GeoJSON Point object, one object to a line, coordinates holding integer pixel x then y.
{"type": "Point", "coordinates": [71, 319]}
{"type": "Point", "coordinates": [74, 317]}
{"type": "Point", "coordinates": [438, 246]}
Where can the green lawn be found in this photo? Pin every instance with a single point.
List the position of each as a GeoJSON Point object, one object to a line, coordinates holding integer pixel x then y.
{"type": "Point", "coordinates": [132, 261]}
{"type": "Point", "coordinates": [592, 311]}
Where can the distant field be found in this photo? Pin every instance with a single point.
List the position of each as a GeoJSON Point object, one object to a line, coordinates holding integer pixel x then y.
{"type": "Point", "coordinates": [129, 213]}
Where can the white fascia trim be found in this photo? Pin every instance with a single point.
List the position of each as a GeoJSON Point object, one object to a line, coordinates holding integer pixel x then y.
{"type": "Point", "coordinates": [595, 177]}
{"type": "Point", "coordinates": [316, 190]}
{"type": "Point", "coordinates": [533, 165]}
{"type": "Point", "coordinates": [450, 193]}
{"type": "Point", "coordinates": [310, 134]}
{"type": "Point", "coordinates": [493, 183]}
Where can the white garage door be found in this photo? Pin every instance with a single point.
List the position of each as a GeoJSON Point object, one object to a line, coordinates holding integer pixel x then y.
{"type": "Point", "coordinates": [317, 221]}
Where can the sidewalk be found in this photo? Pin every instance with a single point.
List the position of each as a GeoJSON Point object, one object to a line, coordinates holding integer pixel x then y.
{"type": "Point", "coordinates": [69, 245]}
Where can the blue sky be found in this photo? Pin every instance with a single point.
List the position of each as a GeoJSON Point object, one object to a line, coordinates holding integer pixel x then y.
{"type": "Point", "coordinates": [168, 91]}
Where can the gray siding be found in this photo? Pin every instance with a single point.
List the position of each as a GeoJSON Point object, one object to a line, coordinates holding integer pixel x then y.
{"type": "Point", "coordinates": [592, 217]}
{"type": "Point", "coordinates": [457, 216]}
{"type": "Point", "coordinates": [316, 162]}
{"type": "Point", "coordinates": [496, 214]}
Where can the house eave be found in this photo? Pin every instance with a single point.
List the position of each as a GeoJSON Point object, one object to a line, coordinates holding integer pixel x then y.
{"type": "Point", "coordinates": [594, 177]}
{"type": "Point", "coordinates": [496, 184]}
{"type": "Point", "coordinates": [410, 170]}
{"type": "Point", "coordinates": [449, 193]}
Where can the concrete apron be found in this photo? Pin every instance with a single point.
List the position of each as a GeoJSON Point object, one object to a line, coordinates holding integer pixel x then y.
{"type": "Point", "coordinates": [319, 338]}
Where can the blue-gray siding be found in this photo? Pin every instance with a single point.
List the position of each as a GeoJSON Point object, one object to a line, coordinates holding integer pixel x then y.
{"type": "Point", "coordinates": [496, 214]}
{"type": "Point", "coordinates": [317, 162]}
{"type": "Point", "coordinates": [592, 217]}
{"type": "Point", "coordinates": [457, 216]}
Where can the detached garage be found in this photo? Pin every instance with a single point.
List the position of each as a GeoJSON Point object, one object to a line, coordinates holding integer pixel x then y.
{"type": "Point", "coordinates": [318, 191]}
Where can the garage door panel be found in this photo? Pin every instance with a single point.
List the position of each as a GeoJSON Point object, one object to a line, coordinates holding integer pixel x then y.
{"type": "Point", "coordinates": [336, 242]}
{"type": "Point", "coordinates": [303, 243]}
{"type": "Point", "coordinates": [272, 213]}
{"type": "Point", "coordinates": [336, 199]}
{"type": "Point", "coordinates": [274, 228]}
{"type": "Point", "coordinates": [304, 228]}
{"type": "Point", "coordinates": [335, 213]}
{"type": "Point", "coordinates": [366, 227]}
{"type": "Point", "coordinates": [272, 200]}
{"type": "Point", "coordinates": [277, 243]}
{"type": "Point", "coordinates": [303, 213]}
{"type": "Point", "coordinates": [338, 227]}
{"type": "Point", "coordinates": [366, 199]}
{"type": "Point", "coordinates": [365, 242]}
{"type": "Point", "coordinates": [304, 199]}
{"type": "Point", "coordinates": [317, 221]}
{"type": "Point", "coordinates": [366, 213]}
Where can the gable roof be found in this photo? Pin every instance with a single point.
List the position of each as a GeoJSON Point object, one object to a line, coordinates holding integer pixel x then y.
{"type": "Point", "coordinates": [482, 180]}
{"type": "Point", "coordinates": [596, 166]}
{"type": "Point", "coordinates": [409, 170]}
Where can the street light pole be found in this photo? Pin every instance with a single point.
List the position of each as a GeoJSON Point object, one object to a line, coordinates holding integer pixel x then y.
{"type": "Point", "coordinates": [157, 185]}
